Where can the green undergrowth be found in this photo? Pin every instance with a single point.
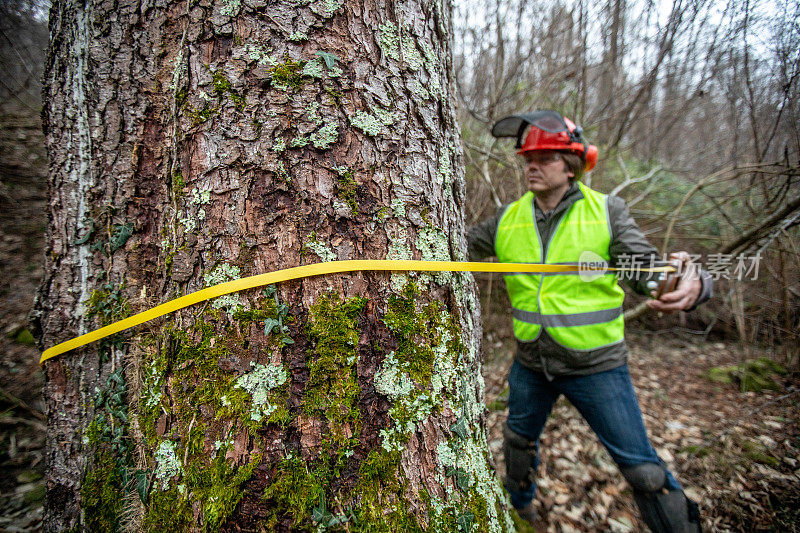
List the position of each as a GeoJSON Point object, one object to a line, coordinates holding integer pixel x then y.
{"type": "Point", "coordinates": [501, 402]}
{"type": "Point", "coordinates": [24, 336]}
{"type": "Point", "coordinates": [752, 375]}
{"type": "Point", "coordinates": [759, 453]}
{"type": "Point", "coordinates": [736, 456]}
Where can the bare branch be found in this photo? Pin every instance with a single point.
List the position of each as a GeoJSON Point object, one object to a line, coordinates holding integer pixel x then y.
{"type": "Point", "coordinates": [630, 181]}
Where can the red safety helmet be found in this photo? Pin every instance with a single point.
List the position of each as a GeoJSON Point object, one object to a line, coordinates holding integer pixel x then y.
{"type": "Point", "coordinates": [548, 131]}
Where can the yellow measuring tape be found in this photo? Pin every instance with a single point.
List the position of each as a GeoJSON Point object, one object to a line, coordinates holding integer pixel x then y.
{"type": "Point", "coordinates": [318, 269]}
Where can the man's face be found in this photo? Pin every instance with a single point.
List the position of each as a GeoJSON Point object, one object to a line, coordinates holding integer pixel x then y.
{"type": "Point", "coordinates": [546, 171]}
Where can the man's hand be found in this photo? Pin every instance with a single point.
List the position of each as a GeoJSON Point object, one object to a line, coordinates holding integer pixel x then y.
{"type": "Point", "coordinates": [688, 290]}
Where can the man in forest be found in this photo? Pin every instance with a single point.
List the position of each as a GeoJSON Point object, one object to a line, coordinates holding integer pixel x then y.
{"type": "Point", "coordinates": [569, 327]}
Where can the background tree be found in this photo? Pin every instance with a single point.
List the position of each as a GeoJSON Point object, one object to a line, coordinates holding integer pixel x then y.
{"type": "Point", "coordinates": [193, 142]}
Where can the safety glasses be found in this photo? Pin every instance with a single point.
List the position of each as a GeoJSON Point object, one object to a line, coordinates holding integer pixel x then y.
{"type": "Point", "coordinates": [542, 157]}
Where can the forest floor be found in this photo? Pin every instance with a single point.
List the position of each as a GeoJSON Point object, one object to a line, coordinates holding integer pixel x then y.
{"type": "Point", "coordinates": [22, 225]}
{"type": "Point", "coordinates": [737, 454]}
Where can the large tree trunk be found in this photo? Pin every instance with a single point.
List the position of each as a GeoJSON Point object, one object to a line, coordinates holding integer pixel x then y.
{"type": "Point", "coordinates": [195, 142]}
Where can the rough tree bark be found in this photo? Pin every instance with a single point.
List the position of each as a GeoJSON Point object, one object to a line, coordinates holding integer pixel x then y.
{"type": "Point", "coordinates": [193, 142]}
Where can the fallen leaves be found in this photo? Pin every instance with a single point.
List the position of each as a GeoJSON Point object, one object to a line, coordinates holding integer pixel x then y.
{"type": "Point", "coordinates": [735, 453]}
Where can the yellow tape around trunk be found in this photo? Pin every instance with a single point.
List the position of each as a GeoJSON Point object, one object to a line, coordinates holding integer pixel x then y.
{"type": "Point", "coordinates": [305, 271]}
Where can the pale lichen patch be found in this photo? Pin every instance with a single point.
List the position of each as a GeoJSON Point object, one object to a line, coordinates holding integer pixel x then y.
{"type": "Point", "coordinates": [418, 89]}
{"type": "Point", "coordinates": [151, 392]}
{"type": "Point", "coordinates": [324, 252]}
{"type": "Point", "coordinates": [200, 196]}
{"type": "Point", "coordinates": [434, 246]}
{"type": "Point", "coordinates": [375, 123]}
{"type": "Point", "coordinates": [367, 123]}
{"type": "Point", "coordinates": [313, 69]}
{"type": "Point", "coordinates": [326, 8]}
{"type": "Point", "coordinates": [222, 273]}
{"type": "Point", "coordinates": [231, 8]}
{"type": "Point", "coordinates": [298, 142]}
{"type": "Point", "coordinates": [259, 54]}
{"type": "Point", "coordinates": [326, 136]}
{"type": "Point", "coordinates": [433, 68]}
{"type": "Point", "coordinates": [178, 70]}
{"type": "Point", "coordinates": [399, 208]}
{"type": "Point", "coordinates": [387, 118]}
{"type": "Point", "coordinates": [445, 369]}
{"type": "Point", "coordinates": [468, 458]}
{"type": "Point", "coordinates": [259, 383]}
{"type": "Point", "coordinates": [312, 112]}
{"type": "Point", "coordinates": [168, 464]}
{"type": "Point", "coordinates": [391, 381]}
{"type": "Point", "coordinates": [279, 145]}
{"type": "Point", "coordinates": [189, 224]}
{"type": "Point", "coordinates": [398, 245]}
{"type": "Point", "coordinates": [411, 54]}
{"type": "Point", "coordinates": [399, 248]}
{"type": "Point", "coordinates": [389, 41]}
{"type": "Point", "coordinates": [445, 170]}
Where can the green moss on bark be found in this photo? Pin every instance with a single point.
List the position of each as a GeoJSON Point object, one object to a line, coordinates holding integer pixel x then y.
{"type": "Point", "coordinates": [100, 493]}
{"type": "Point", "coordinates": [189, 394]}
{"type": "Point", "coordinates": [222, 87]}
{"type": "Point", "coordinates": [305, 492]}
{"type": "Point", "coordinates": [418, 330]}
{"type": "Point", "coordinates": [215, 487]}
{"type": "Point", "coordinates": [347, 189]}
{"type": "Point", "coordinates": [110, 462]}
{"type": "Point", "coordinates": [288, 74]}
{"type": "Point", "coordinates": [332, 389]}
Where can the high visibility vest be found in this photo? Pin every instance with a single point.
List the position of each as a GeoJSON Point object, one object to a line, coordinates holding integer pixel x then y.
{"type": "Point", "coordinates": [578, 313]}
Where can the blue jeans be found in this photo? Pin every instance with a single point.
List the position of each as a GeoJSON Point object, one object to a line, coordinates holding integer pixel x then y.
{"type": "Point", "coordinates": [606, 401]}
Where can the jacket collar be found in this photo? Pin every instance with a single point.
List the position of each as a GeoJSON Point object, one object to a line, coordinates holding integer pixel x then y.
{"type": "Point", "coordinates": [572, 195]}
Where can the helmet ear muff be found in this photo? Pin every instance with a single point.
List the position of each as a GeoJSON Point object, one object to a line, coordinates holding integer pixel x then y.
{"type": "Point", "coordinates": [590, 156]}
{"type": "Point", "coordinates": [576, 135]}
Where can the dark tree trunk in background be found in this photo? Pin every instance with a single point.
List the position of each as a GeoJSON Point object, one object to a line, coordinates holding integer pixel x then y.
{"type": "Point", "coordinates": [193, 143]}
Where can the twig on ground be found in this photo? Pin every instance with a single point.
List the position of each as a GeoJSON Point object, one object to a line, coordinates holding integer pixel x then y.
{"type": "Point", "coordinates": [21, 404]}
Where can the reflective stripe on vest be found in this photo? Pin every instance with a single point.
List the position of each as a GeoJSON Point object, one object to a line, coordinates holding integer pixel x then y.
{"type": "Point", "coordinates": [563, 321]}
{"type": "Point", "coordinates": [578, 313]}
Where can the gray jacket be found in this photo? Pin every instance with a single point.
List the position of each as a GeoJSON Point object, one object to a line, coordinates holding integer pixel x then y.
{"type": "Point", "coordinates": [627, 240]}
